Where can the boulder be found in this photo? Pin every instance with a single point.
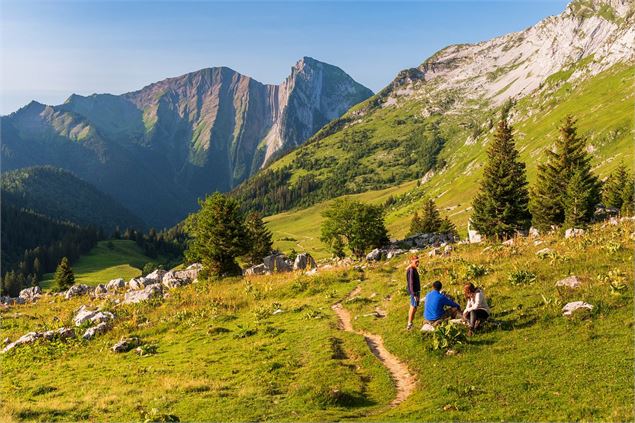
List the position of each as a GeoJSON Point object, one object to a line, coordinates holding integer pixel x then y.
{"type": "Point", "coordinates": [30, 294]}
{"type": "Point", "coordinates": [394, 253]}
{"type": "Point", "coordinates": [178, 278]}
{"type": "Point", "coordinates": [570, 308]}
{"type": "Point", "coordinates": [614, 221]}
{"type": "Point", "coordinates": [77, 290]}
{"type": "Point", "coordinates": [116, 284]}
{"type": "Point", "coordinates": [155, 277]}
{"type": "Point", "coordinates": [569, 282]}
{"type": "Point", "coordinates": [573, 233]}
{"type": "Point", "coordinates": [533, 232]}
{"type": "Point", "coordinates": [140, 283]}
{"type": "Point", "coordinates": [93, 316]}
{"type": "Point", "coordinates": [150, 291]}
{"type": "Point", "coordinates": [282, 265]}
{"type": "Point", "coordinates": [304, 261]}
{"type": "Point", "coordinates": [434, 252]}
{"type": "Point", "coordinates": [28, 338]}
{"type": "Point", "coordinates": [474, 236]}
{"type": "Point", "coordinates": [126, 344]}
{"type": "Point", "coordinates": [259, 269]}
{"type": "Point", "coordinates": [95, 330]}
{"type": "Point", "coordinates": [374, 255]}
{"type": "Point", "coordinates": [61, 333]}
{"type": "Point", "coordinates": [269, 262]}
{"type": "Point", "coordinates": [100, 289]}
{"type": "Point", "coordinates": [545, 252]}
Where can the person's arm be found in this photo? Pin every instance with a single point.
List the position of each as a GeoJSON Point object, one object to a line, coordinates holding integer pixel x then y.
{"type": "Point", "coordinates": [471, 304]}
{"type": "Point", "coordinates": [411, 280]}
{"type": "Point", "coordinates": [449, 302]}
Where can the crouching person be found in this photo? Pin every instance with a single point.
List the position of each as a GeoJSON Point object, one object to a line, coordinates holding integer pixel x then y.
{"type": "Point", "coordinates": [476, 311]}
{"type": "Point", "coordinates": [435, 306]}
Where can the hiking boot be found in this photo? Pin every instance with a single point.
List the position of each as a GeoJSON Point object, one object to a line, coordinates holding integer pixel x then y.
{"type": "Point", "coordinates": [409, 326]}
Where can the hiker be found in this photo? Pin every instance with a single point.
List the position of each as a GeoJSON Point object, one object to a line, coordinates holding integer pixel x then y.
{"type": "Point", "coordinates": [435, 302]}
{"type": "Point", "coordinates": [414, 288]}
{"type": "Point", "coordinates": [476, 311]}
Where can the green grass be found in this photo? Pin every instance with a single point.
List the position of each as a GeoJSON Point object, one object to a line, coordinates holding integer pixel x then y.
{"type": "Point", "coordinates": [102, 264]}
{"type": "Point", "coordinates": [222, 355]}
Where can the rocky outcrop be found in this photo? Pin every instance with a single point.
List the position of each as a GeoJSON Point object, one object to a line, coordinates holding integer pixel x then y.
{"type": "Point", "coordinates": [30, 294]}
{"type": "Point", "coordinates": [304, 261]}
{"type": "Point", "coordinates": [84, 315]}
{"type": "Point", "coordinates": [150, 291]}
{"type": "Point", "coordinates": [126, 344]}
{"type": "Point", "coordinates": [77, 290]}
{"type": "Point", "coordinates": [116, 284]}
{"type": "Point", "coordinates": [31, 337]}
{"type": "Point", "coordinates": [573, 233]}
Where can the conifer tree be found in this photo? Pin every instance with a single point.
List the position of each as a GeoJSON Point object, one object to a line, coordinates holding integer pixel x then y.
{"type": "Point", "coordinates": [430, 217]}
{"type": "Point", "coordinates": [614, 186]}
{"type": "Point", "coordinates": [64, 277]}
{"type": "Point", "coordinates": [628, 202]}
{"type": "Point", "coordinates": [549, 196]}
{"type": "Point", "coordinates": [37, 267]}
{"type": "Point", "coordinates": [501, 205]}
{"type": "Point", "coordinates": [260, 241]}
{"type": "Point", "coordinates": [578, 201]}
{"type": "Point", "coordinates": [415, 224]}
{"type": "Point", "coordinates": [447, 227]}
{"type": "Point", "coordinates": [218, 235]}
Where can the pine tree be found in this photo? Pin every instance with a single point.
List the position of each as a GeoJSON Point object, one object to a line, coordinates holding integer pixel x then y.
{"type": "Point", "coordinates": [447, 227]}
{"type": "Point", "coordinates": [614, 186]}
{"type": "Point", "coordinates": [579, 203]}
{"type": "Point", "coordinates": [218, 235]}
{"type": "Point", "coordinates": [501, 207]}
{"type": "Point", "coordinates": [549, 196]}
{"type": "Point", "coordinates": [415, 225]}
{"type": "Point", "coordinates": [430, 217]}
{"type": "Point", "coordinates": [260, 241]}
{"type": "Point", "coordinates": [628, 204]}
{"type": "Point", "coordinates": [64, 277]}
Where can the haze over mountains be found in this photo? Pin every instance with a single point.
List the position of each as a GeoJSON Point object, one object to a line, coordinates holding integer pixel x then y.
{"type": "Point", "coordinates": [158, 149]}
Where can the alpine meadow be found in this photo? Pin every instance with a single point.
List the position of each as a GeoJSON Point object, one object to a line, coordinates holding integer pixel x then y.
{"type": "Point", "coordinates": [457, 246]}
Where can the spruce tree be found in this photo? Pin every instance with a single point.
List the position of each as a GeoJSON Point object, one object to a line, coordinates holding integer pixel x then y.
{"type": "Point", "coordinates": [218, 235]}
{"type": "Point", "coordinates": [578, 201]}
{"type": "Point", "coordinates": [549, 196]}
{"type": "Point", "coordinates": [260, 241]}
{"type": "Point", "coordinates": [613, 189]}
{"type": "Point", "coordinates": [64, 277]}
{"type": "Point", "coordinates": [501, 205]}
{"type": "Point", "coordinates": [447, 227]}
{"type": "Point", "coordinates": [628, 204]}
{"type": "Point", "coordinates": [430, 217]}
{"type": "Point", "coordinates": [415, 224]}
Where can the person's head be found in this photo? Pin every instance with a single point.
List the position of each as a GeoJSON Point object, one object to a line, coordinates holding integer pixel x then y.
{"type": "Point", "coordinates": [414, 261]}
{"type": "Point", "coordinates": [437, 285]}
{"type": "Point", "coordinates": [468, 290]}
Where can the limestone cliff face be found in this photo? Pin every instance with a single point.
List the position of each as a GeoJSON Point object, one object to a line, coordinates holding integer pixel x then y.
{"type": "Point", "coordinates": [598, 33]}
{"type": "Point", "coordinates": [180, 138]}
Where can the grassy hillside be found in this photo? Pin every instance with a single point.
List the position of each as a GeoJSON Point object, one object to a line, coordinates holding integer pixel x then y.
{"type": "Point", "coordinates": [605, 119]}
{"type": "Point", "coordinates": [124, 260]}
{"type": "Point", "coordinates": [221, 354]}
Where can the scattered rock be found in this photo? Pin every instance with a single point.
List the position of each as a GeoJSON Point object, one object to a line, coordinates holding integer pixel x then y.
{"type": "Point", "coordinates": [95, 330]}
{"type": "Point", "coordinates": [394, 253]}
{"type": "Point", "coordinates": [116, 284]}
{"type": "Point", "coordinates": [304, 261]}
{"type": "Point", "coordinates": [434, 252]}
{"type": "Point", "coordinates": [545, 252]}
{"type": "Point", "coordinates": [126, 344]}
{"type": "Point", "coordinates": [570, 282]}
{"type": "Point", "coordinates": [77, 290]}
{"type": "Point", "coordinates": [277, 311]}
{"type": "Point", "coordinates": [93, 316]}
{"type": "Point", "coordinates": [61, 333]}
{"type": "Point", "coordinates": [30, 294]}
{"type": "Point", "coordinates": [614, 221]}
{"type": "Point", "coordinates": [28, 338]}
{"type": "Point", "coordinates": [374, 255]}
{"type": "Point", "coordinates": [155, 277]}
{"type": "Point", "coordinates": [447, 250]}
{"type": "Point", "coordinates": [150, 291]}
{"type": "Point", "coordinates": [570, 308]}
{"type": "Point", "coordinates": [509, 242]}
{"type": "Point", "coordinates": [533, 232]}
{"type": "Point", "coordinates": [427, 327]}
{"type": "Point", "coordinates": [259, 269]}
{"type": "Point", "coordinates": [573, 233]}
{"type": "Point", "coordinates": [9, 300]}
{"type": "Point", "coordinates": [140, 283]}
{"type": "Point", "coordinates": [100, 289]}
{"type": "Point", "coordinates": [6, 341]}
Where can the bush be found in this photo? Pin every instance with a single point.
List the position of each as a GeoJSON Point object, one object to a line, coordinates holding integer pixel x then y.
{"type": "Point", "coordinates": [521, 277]}
{"type": "Point", "coordinates": [475, 271]}
{"type": "Point", "coordinates": [447, 335]}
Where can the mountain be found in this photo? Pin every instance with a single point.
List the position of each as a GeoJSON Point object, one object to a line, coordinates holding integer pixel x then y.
{"type": "Point", "coordinates": [61, 196]}
{"type": "Point", "coordinates": [158, 149]}
{"type": "Point", "coordinates": [432, 123]}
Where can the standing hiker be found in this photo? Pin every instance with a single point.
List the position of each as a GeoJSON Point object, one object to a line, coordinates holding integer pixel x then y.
{"type": "Point", "coordinates": [413, 287]}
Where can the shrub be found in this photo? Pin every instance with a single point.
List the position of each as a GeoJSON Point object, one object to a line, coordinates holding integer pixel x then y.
{"type": "Point", "coordinates": [475, 271]}
{"type": "Point", "coordinates": [447, 335]}
{"type": "Point", "coordinates": [521, 277]}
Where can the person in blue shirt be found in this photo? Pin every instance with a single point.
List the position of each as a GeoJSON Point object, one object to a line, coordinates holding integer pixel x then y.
{"type": "Point", "coordinates": [435, 303]}
{"type": "Point", "coordinates": [413, 285]}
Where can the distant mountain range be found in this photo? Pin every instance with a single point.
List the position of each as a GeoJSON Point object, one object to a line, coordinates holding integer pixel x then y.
{"type": "Point", "coordinates": [158, 149]}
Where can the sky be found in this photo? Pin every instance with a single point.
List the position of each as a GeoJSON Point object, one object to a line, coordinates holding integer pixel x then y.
{"type": "Point", "coordinates": [51, 49]}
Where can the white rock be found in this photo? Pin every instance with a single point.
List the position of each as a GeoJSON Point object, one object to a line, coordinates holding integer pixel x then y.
{"type": "Point", "coordinates": [100, 289]}
{"type": "Point", "coordinates": [509, 242]}
{"type": "Point", "coordinates": [447, 250]}
{"type": "Point", "coordinates": [155, 277]}
{"type": "Point", "coordinates": [570, 308]}
{"type": "Point", "coordinates": [31, 294]}
{"type": "Point", "coordinates": [126, 344]}
{"type": "Point", "coordinates": [573, 233]}
{"type": "Point", "coordinates": [116, 284]}
{"type": "Point", "coordinates": [570, 282]}
{"type": "Point", "coordinates": [374, 255]}
{"type": "Point", "coordinates": [427, 327]}
{"type": "Point", "coordinates": [140, 283]}
{"type": "Point", "coordinates": [303, 261]}
{"type": "Point", "coordinates": [259, 269]}
{"type": "Point", "coordinates": [533, 232]}
{"type": "Point", "coordinates": [77, 290]}
{"type": "Point", "coordinates": [545, 252]}
{"type": "Point", "coordinates": [150, 291]}
{"type": "Point", "coordinates": [434, 252]}
{"type": "Point", "coordinates": [95, 330]}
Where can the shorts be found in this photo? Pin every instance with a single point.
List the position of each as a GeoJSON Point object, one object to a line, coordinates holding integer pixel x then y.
{"type": "Point", "coordinates": [413, 300]}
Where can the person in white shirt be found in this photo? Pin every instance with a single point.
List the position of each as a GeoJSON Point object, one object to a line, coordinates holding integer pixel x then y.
{"type": "Point", "coordinates": [476, 311]}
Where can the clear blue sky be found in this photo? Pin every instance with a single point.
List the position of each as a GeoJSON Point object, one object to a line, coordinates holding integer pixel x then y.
{"type": "Point", "coordinates": [51, 49]}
